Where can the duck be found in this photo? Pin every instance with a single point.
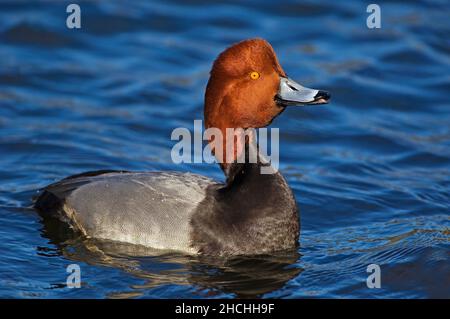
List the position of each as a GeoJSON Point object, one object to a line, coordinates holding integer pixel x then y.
{"type": "Point", "coordinates": [250, 213]}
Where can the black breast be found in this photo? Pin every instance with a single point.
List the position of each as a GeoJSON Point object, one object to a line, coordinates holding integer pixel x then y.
{"type": "Point", "coordinates": [254, 214]}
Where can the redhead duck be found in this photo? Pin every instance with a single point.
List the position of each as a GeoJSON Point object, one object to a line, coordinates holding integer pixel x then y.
{"type": "Point", "coordinates": [251, 213]}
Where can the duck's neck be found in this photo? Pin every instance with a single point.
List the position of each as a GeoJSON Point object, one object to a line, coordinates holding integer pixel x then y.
{"type": "Point", "coordinates": [247, 183]}
{"type": "Point", "coordinates": [251, 164]}
{"type": "Point", "coordinates": [257, 187]}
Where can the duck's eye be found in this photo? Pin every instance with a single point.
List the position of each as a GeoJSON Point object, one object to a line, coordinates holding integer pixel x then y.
{"type": "Point", "coordinates": [254, 75]}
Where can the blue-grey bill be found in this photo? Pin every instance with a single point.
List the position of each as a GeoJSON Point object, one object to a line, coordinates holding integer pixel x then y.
{"type": "Point", "coordinates": [292, 93]}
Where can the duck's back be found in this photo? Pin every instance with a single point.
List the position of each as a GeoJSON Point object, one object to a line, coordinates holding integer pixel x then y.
{"type": "Point", "coordinates": [152, 209]}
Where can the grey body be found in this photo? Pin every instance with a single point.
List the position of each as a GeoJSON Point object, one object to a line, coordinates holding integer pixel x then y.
{"type": "Point", "coordinates": [179, 211]}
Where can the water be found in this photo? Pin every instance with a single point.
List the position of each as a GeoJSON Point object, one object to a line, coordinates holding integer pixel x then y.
{"type": "Point", "coordinates": [370, 170]}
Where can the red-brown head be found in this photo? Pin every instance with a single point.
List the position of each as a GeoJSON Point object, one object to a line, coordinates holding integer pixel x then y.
{"type": "Point", "coordinates": [248, 89]}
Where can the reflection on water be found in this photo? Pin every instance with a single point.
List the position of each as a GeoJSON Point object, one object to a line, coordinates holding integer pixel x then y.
{"type": "Point", "coordinates": [370, 171]}
{"type": "Point", "coordinates": [243, 277]}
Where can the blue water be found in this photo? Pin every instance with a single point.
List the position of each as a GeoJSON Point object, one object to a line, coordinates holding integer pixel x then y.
{"type": "Point", "coordinates": [370, 171]}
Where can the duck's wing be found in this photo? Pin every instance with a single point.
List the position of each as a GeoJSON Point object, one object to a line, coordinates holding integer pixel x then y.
{"type": "Point", "coordinates": [50, 197]}
{"type": "Point", "coordinates": [151, 209]}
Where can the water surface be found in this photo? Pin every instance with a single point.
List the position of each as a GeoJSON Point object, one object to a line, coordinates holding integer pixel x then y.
{"type": "Point", "coordinates": [370, 171]}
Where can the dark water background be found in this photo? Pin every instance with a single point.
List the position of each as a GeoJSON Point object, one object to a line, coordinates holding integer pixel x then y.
{"type": "Point", "coordinates": [371, 171]}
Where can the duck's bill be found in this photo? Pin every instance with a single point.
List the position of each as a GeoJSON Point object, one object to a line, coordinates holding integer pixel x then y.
{"type": "Point", "coordinates": [292, 93]}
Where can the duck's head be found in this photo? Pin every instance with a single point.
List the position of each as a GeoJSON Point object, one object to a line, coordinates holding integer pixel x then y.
{"type": "Point", "coordinates": [248, 88]}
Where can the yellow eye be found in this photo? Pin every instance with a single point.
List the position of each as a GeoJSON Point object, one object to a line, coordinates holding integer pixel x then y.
{"type": "Point", "coordinates": [254, 75]}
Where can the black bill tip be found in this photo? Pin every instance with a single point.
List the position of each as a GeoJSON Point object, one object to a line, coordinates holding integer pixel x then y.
{"type": "Point", "coordinates": [322, 95]}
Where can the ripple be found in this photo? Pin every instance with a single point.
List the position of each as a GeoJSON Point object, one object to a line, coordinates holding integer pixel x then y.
{"type": "Point", "coordinates": [27, 34]}
{"type": "Point", "coordinates": [369, 170]}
